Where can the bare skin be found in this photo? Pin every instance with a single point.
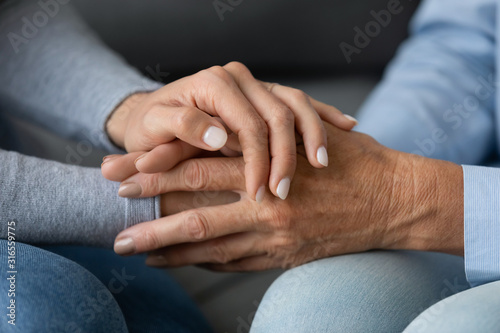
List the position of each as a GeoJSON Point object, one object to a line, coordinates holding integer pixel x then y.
{"type": "Point", "coordinates": [370, 197]}
{"type": "Point", "coordinates": [175, 122]}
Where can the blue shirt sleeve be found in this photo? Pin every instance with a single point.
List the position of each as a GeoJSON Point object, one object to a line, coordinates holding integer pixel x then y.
{"type": "Point", "coordinates": [437, 96]}
{"type": "Point", "coordinates": [437, 99]}
{"type": "Point", "coordinates": [482, 224]}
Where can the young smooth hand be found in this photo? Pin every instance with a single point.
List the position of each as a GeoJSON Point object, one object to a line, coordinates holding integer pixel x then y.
{"type": "Point", "coordinates": [173, 123]}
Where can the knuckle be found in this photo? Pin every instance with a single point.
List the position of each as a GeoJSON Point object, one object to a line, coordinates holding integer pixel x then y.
{"type": "Point", "coordinates": [285, 243]}
{"type": "Point", "coordinates": [257, 132]}
{"type": "Point", "coordinates": [184, 120]}
{"type": "Point", "coordinates": [195, 176]}
{"type": "Point", "coordinates": [218, 252]}
{"type": "Point", "coordinates": [196, 226]}
{"type": "Point", "coordinates": [259, 147]}
{"type": "Point", "coordinates": [237, 67]}
{"type": "Point", "coordinates": [150, 184]}
{"type": "Point", "coordinates": [221, 74]}
{"type": "Point", "coordinates": [151, 240]}
{"type": "Point", "coordinates": [298, 96]}
{"type": "Point", "coordinates": [282, 116]}
{"type": "Point", "coordinates": [283, 247]}
{"type": "Point", "coordinates": [258, 127]}
{"type": "Point", "coordinates": [234, 167]}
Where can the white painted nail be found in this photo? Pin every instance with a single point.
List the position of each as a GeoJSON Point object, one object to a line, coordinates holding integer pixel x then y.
{"type": "Point", "coordinates": [283, 188]}
{"type": "Point", "coordinates": [259, 197]}
{"type": "Point", "coordinates": [124, 246]}
{"type": "Point", "coordinates": [322, 156]}
{"type": "Point", "coordinates": [215, 137]}
{"type": "Point", "coordinates": [351, 118]}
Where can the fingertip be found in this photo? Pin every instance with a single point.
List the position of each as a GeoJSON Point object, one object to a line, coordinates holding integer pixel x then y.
{"type": "Point", "coordinates": [105, 172]}
{"type": "Point", "coordinates": [130, 190]}
{"type": "Point", "coordinates": [139, 162]}
{"type": "Point", "coordinates": [215, 137]}
{"type": "Point", "coordinates": [124, 246]}
{"type": "Point", "coordinates": [109, 158]}
{"type": "Point", "coordinates": [352, 119]}
{"type": "Point", "coordinates": [322, 156]}
{"type": "Point", "coordinates": [256, 174]}
{"type": "Point", "coordinates": [283, 188]}
{"type": "Point", "coordinates": [106, 166]}
{"type": "Point", "coordinates": [259, 197]}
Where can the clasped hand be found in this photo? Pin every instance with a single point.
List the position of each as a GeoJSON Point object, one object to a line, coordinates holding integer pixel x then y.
{"type": "Point", "coordinates": [226, 108]}
{"type": "Point", "coordinates": [369, 197]}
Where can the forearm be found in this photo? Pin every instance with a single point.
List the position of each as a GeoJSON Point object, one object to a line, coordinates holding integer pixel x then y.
{"type": "Point", "coordinates": [437, 96]}
{"type": "Point", "coordinates": [428, 201]}
{"type": "Point", "coordinates": [55, 203]}
{"type": "Point", "coordinates": [64, 78]}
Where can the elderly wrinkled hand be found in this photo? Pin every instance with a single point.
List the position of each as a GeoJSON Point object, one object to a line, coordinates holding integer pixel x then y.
{"type": "Point", "coordinates": [371, 197]}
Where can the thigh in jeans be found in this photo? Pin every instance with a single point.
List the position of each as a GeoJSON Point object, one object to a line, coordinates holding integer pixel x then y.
{"type": "Point", "coordinates": [378, 291]}
{"type": "Point", "coordinates": [54, 294]}
{"type": "Point", "coordinates": [473, 310]}
{"type": "Point", "coordinates": [151, 301]}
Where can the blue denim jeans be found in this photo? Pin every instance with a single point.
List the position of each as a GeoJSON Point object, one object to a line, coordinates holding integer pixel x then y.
{"type": "Point", "coordinates": [78, 289]}
{"type": "Point", "coordinates": [379, 291]}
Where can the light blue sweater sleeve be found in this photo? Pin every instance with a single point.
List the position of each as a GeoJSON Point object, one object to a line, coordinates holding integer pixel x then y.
{"type": "Point", "coordinates": [55, 203]}
{"type": "Point", "coordinates": [55, 72]}
{"type": "Point", "coordinates": [437, 99]}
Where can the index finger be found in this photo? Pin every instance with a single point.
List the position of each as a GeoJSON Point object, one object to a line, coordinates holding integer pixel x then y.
{"type": "Point", "coordinates": [186, 227]}
{"type": "Point", "coordinates": [241, 117]}
{"type": "Point", "coordinates": [203, 174]}
{"type": "Point", "coordinates": [281, 126]}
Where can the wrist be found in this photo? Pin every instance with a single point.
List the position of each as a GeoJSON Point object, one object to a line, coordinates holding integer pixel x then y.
{"type": "Point", "coordinates": [429, 206]}
{"type": "Point", "coordinates": [117, 123]}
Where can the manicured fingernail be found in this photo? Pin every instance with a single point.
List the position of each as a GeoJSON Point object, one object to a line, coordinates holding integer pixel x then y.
{"type": "Point", "coordinates": [124, 246]}
{"type": "Point", "coordinates": [322, 156]}
{"type": "Point", "coordinates": [215, 137]}
{"type": "Point", "coordinates": [156, 261]}
{"type": "Point", "coordinates": [130, 190]}
{"type": "Point", "coordinates": [283, 188]}
{"type": "Point", "coordinates": [259, 197]}
{"type": "Point", "coordinates": [351, 118]}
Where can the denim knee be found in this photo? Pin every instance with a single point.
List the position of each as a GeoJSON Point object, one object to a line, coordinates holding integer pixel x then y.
{"type": "Point", "coordinates": [380, 291]}
{"type": "Point", "coordinates": [54, 294]}
{"type": "Point", "coordinates": [474, 310]}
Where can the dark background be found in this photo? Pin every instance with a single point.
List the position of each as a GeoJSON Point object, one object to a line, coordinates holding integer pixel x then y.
{"type": "Point", "coordinates": [284, 37]}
